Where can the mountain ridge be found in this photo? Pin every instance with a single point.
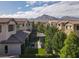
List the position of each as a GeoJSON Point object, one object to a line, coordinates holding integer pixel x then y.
{"type": "Point", "coordinates": [47, 17]}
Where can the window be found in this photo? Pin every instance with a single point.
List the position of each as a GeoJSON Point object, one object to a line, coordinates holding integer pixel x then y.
{"type": "Point", "coordinates": [66, 27]}
{"type": "Point", "coordinates": [0, 28]}
{"type": "Point", "coordinates": [10, 27]}
{"type": "Point", "coordinates": [77, 27]}
{"type": "Point", "coordinates": [58, 24]}
{"type": "Point", "coordinates": [70, 26]}
{"type": "Point", "coordinates": [6, 49]}
{"type": "Point", "coordinates": [51, 23]}
{"type": "Point", "coordinates": [23, 24]}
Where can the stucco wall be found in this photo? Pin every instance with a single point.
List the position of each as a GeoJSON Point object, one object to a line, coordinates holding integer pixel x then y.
{"type": "Point", "coordinates": [69, 29]}
{"type": "Point", "coordinates": [13, 49]}
{"type": "Point", "coordinates": [5, 34]}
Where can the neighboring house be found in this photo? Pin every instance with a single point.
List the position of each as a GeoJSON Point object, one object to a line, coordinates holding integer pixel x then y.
{"type": "Point", "coordinates": [12, 46]}
{"type": "Point", "coordinates": [72, 25]}
{"type": "Point", "coordinates": [53, 22]}
{"type": "Point", "coordinates": [14, 33]}
{"type": "Point", "coordinates": [22, 23]}
{"type": "Point", "coordinates": [66, 25]}
{"type": "Point", "coordinates": [12, 38]}
{"type": "Point", "coordinates": [29, 25]}
{"type": "Point", "coordinates": [7, 28]}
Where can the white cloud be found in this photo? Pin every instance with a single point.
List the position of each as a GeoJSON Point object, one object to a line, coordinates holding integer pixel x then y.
{"type": "Point", "coordinates": [27, 5]}
{"type": "Point", "coordinates": [28, 14]}
{"type": "Point", "coordinates": [31, 2]}
{"type": "Point", "coordinates": [58, 9]}
{"type": "Point", "coordinates": [45, 4]}
{"type": "Point", "coordinates": [63, 9]}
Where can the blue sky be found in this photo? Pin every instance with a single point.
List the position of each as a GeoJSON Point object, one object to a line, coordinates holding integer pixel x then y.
{"type": "Point", "coordinates": [33, 9]}
{"type": "Point", "coordinates": [11, 7]}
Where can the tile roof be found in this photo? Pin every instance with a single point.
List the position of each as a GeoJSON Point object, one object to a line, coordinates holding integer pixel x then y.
{"type": "Point", "coordinates": [5, 20]}
{"type": "Point", "coordinates": [20, 19]}
{"type": "Point", "coordinates": [19, 37]}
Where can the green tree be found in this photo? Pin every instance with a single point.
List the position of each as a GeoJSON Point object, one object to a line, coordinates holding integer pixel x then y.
{"type": "Point", "coordinates": [71, 47]}
{"type": "Point", "coordinates": [49, 32]}
{"type": "Point", "coordinates": [58, 42]}
{"type": "Point", "coordinates": [40, 27]}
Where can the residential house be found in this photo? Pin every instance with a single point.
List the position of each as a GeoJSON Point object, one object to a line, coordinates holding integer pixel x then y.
{"type": "Point", "coordinates": [22, 23]}
{"type": "Point", "coordinates": [11, 39]}
{"type": "Point", "coordinates": [72, 25]}
{"type": "Point", "coordinates": [53, 22]}
{"type": "Point", "coordinates": [12, 46]}
{"type": "Point", "coordinates": [7, 28]}
{"type": "Point", "coordinates": [14, 33]}
{"type": "Point", "coordinates": [66, 25]}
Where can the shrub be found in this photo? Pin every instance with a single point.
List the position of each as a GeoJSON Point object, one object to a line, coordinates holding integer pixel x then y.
{"type": "Point", "coordinates": [41, 52]}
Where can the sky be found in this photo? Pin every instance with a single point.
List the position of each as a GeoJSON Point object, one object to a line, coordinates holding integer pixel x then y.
{"type": "Point", "coordinates": [11, 7]}
{"type": "Point", "coordinates": [33, 9]}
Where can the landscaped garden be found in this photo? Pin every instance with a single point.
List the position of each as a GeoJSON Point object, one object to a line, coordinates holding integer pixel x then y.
{"type": "Point", "coordinates": [57, 44]}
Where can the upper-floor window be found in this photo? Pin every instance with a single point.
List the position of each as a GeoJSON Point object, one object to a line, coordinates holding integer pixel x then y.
{"type": "Point", "coordinates": [77, 27]}
{"type": "Point", "coordinates": [10, 27]}
{"type": "Point", "coordinates": [0, 28]}
{"type": "Point", "coordinates": [70, 27]}
{"type": "Point", "coordinates": [58, 24]}
{"type": "Point", "coordinates": [66, 27]}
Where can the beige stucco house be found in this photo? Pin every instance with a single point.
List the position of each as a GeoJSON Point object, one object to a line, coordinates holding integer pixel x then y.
{"type": "Point", "coordinates": [11, 36]}
{"type": "Point", "coordinates": [14, 32]}
{"type": "Point", "coordinates": [66, 25]}
{"type": "Point", "coordinates": [7, 27]}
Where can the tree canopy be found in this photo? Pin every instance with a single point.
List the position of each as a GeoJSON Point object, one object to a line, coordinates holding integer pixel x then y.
{"type": "Point", "coordinates": [58, 41]}
{"type": "Point", "coordinates": [71, 47]}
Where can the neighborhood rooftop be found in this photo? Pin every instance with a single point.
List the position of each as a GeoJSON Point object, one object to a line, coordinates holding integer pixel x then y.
{"type": "Point", "coordinates": [19, 37]}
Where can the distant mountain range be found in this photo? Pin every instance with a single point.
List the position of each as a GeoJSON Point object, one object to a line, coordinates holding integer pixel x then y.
{"type": "Point", "coordinates": [47, 17]}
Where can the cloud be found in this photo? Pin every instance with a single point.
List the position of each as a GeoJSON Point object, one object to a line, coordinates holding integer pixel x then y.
{"type": "Point", "coordinates": [19, 7]}
{"type": "Point", "coordinates": [27, 5]}
{"type": "Point", "coordinates": [31, 2]}
{"type": "Point", "coordinates": [63, 9]}
{"type": "Point", "coordinates": [35, 12]}
{"type": "Point", "coordinates": [45, 4]}
{"type": "Point", "coordinates": [57, 9]}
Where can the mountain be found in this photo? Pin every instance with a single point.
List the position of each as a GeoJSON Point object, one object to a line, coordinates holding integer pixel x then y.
{"type": "Point", "coordinates": [69, 18]}
{"type": "Point", "coordinates": [44, 18]}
